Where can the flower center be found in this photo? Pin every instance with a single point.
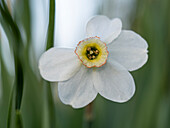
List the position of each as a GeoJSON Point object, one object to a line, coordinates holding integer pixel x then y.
{"type": "Point", "coordinates": [92, 52]}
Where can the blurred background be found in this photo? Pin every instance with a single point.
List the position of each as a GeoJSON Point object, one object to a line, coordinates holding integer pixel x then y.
{"type": "Point", "coordinates": [26, 30]}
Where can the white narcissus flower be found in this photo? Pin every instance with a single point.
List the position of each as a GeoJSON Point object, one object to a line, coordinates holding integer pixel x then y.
{"type": "Point", "coordinates": [99, 64]}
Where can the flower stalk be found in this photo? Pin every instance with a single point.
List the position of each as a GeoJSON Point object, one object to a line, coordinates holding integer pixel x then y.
{"type": "Point", "coordinates": [88, 116]}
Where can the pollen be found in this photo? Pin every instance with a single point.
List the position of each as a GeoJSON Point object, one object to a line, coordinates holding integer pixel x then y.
{"type": "Point", "coordinates": [92, 52]}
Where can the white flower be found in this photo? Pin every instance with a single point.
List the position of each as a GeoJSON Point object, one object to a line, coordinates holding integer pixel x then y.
{"type": "Point", "coordinates": [99, 64]}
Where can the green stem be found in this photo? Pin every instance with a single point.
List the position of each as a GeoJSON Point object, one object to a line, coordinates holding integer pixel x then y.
{"type": "Point", "coordinates": [50, 43]}
{"type": "Point", "coordinates": [51, 106]}
{"type": "Point", "coordinates": [18, 123]}
{"type": "Point", "coordinates": [10, 108]}
{"type": "Point", "coordinates": [51, 25]}
{"type": "Point", "coordinates": [15, 41]}
{"type": "Point", "coordinates": [19, 82]}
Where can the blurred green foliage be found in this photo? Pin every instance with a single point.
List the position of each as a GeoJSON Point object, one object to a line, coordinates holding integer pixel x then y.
{"type": "Point", "coordinates": [149, 108]}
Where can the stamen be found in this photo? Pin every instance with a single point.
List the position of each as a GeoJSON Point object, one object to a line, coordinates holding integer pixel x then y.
{"type": "Point", "coordinates": [96, 52]}
{"type": "Point", "coordinates": [92, 53]}
{"type": "Point", "coordinates": [89, 48]}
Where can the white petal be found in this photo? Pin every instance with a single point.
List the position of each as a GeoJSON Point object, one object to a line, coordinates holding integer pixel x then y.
{"type": "Point", "coordinates": [129, 49]}
{"type": "Point", "coordinates": [114, 82]}
{"type": "Point", "coordinates": [79, 90]}
{"type": "Point", "coordinates": [59, 64]}
{"type": "Point", "coordinates": [103, 27]}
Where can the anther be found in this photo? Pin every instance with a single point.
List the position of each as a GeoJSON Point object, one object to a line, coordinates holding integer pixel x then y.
{"type": "Point", "coordinates": [91, 52]}
{"type": "Point", "coordinates": [97, 51]}
{"type": "Point", "coordinates": [89, 49]}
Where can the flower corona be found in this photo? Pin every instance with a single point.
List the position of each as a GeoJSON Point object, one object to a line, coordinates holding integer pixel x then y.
{"type": "Point", "coordinates": [92, 52]}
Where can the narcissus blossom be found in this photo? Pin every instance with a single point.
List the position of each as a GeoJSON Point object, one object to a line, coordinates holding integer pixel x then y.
{"type": "Point", "coordinates": [99, 64]}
